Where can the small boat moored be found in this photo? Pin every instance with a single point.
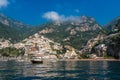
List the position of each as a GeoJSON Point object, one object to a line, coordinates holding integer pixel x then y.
{"type": "Point", "coordinates": [36, 59]}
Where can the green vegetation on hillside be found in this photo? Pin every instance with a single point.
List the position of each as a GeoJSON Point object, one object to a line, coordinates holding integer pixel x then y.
{"type": "Point", "coordinates": [61, 35]}
{"type": "Point", "coordinates": [11, 52]}
{"type": "Point", "coordinates": [7, 32]}
{"type": "Point", "coordinates": [14, 30]}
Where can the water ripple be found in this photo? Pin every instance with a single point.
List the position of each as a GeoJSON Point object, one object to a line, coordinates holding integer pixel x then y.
{"type": "Point", "coordinates": [62, 70]}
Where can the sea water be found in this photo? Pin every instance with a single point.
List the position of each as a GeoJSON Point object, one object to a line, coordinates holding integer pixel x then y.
{"type": "Point", "coordinates": [60, 70]}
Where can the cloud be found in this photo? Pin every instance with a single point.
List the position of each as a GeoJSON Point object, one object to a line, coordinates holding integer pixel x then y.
{"type": "Point", "coordinates": [3, 3]}
{"type": "Point", "coordinates": [72, 18]}
{"type": "Point", "coordinates": [54, 16]}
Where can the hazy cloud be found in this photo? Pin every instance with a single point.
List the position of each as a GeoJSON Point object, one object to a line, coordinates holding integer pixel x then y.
{"type": "Point", "coordinates": [3, 3]}
{"type": "Point", "coordinates": [54, 16]}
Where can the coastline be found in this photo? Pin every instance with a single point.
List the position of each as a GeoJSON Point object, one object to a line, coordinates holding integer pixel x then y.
{"type": "Point", "coordinates": [89, 60]}
{"type": "Point", "coordinates": [19, 59]}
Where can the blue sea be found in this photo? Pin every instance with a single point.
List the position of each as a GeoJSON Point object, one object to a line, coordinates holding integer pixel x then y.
{"type": "Point", "coordinates": [60, 70]}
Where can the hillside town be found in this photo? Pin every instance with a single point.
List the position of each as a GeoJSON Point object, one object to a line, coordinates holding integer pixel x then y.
{"type": "Point", "coordinates": [41, 46]}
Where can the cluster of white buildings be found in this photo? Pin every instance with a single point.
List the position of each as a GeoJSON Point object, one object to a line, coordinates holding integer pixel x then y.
{"type": "Point", "coordinates": [39, 44]}
{"type": "Point", "coordinates": [5, 43]}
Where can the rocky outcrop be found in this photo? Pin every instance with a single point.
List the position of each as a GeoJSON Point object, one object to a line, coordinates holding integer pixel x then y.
{"type": "Point", "coordinates": [70, 52]}
{"type": "Point", "coordinates": [45, 31]}
{"type": "Point", "coordinates": [93, 42]}
{"type": "Point", "coordinates": [100, 50]}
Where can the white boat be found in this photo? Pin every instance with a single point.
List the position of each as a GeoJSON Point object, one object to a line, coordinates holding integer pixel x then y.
{"type": "Point", "coordinates": [36, 59]}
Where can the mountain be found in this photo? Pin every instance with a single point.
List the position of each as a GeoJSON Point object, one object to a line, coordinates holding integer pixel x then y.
{"type": "Point", "coordinates": [7, 32]}
{"type": "Point", "coordinates": [13, 29]}
{"type": "Point", "coordinates": [114, 25]}
{"type": "Point", "coordinates": [106, 45]}
{"type": "Point", "coordinates": [75, 33]}
{"type": "Point", "coordinates": [113, 39]}
{"type": "Point", "coordinates": [81, 35]}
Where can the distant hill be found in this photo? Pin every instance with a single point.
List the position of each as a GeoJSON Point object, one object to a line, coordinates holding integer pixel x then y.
{"type": "Point", "coordinates": [16, 30]}
{"type": "Point", "coordinates": [7, 32]}
{"type": "Point", "coordinates": [75, 33]}
{"type": "Point", "coordinates": [114, 25]}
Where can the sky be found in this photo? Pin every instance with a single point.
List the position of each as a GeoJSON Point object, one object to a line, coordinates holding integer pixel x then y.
{"type": "Point", "coordinates": [37, 12]}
